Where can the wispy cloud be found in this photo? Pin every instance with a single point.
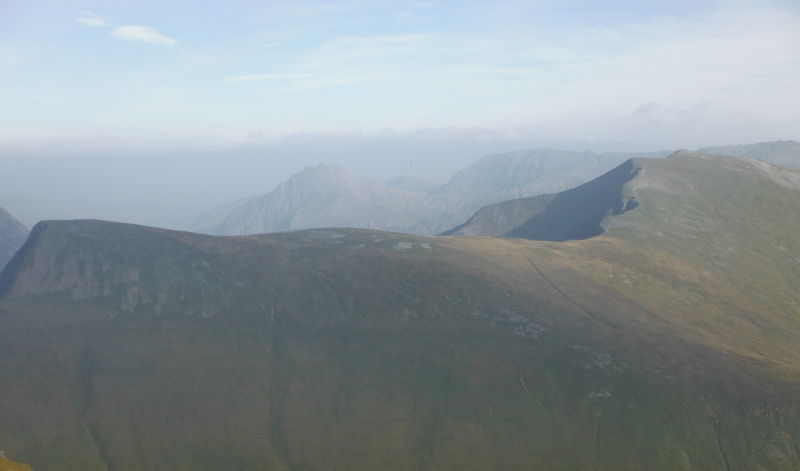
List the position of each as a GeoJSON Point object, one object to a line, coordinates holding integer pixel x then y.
{"type": "Point", "coordinates": [333, 81]}
{"type": "Point", "coordinates": [144, 34]}
{"type": "Point", "coordinates": [90, 19]}
{"type": "Point", "coordinates": [491, 71]}
{"type": "Point", "coordinates": [257, 77]}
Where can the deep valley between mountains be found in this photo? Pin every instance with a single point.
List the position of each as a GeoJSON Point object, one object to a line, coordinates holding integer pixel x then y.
{"type": "Point", "coordinates": [661, 334]}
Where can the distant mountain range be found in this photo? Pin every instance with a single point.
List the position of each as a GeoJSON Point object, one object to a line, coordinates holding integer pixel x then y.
{"type": "Point", "coordinates": [663, 335]}
{"type": "Point", "coordinates": [541, 217]}
{"type": "Point", "coordinates": [329, 196]}
{"type": "Point", "coordinates": [324, 196]}
{"type": "Point", "coordinates": [12, 236]}
{"type": "Point", "coordinates": [782, 153]}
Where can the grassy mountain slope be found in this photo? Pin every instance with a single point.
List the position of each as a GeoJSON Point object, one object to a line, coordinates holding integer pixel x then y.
{"type": "Point", "coordinates": [733, 221]}
{"type": "Point", "coordinates": [512, 175]}
{"type": "Point", "coordinates": [8, 465]}
{"type": "Point", "coordinates": [667, 342]}
{"type": "Point", "coordinates": [12, 236]}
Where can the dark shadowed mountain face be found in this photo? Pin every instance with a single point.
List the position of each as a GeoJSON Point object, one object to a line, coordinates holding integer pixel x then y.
{"type": "Point", "coordinates": [329, 196]}
{"type": "Point", "coordinates": [782, 153]}
{"type": "Point", "coordinates": [587, 210]}
{"type": "Point", "coordinates": [12, 236]}
{"type": "Point", "coordinates": [670, 341]}
{"type": "Point", "coordinates": [514, 175]}
{"type": "Point", "coordinates": [572, 214]}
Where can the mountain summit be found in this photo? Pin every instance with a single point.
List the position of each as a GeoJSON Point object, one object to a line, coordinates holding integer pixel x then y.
{"type": "Point", "coordinates": [592, 208]}
{"type": "Point", "coordinates": [323, 196]}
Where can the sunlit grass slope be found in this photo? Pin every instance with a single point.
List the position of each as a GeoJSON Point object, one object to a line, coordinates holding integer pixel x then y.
{"type": "Point", "coordinates": [669, 342]}
{"type": "Point", "coordinates": [8, 465]}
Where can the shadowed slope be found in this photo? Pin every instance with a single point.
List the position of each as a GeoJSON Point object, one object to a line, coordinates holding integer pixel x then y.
{"type": "Point", "coordinates": [651, 346]}
{"type": "Point", "coordinates": [572, 214]}
{"type": "Point", "coordinates": [730, 223]}
{"type": "Point", "coordinates": [12, 236]}
{"type": "Point", "coordinates": [328, 196]}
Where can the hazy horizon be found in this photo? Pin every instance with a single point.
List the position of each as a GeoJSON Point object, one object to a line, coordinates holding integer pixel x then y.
{"type": "Point", "coordinates": [169, 109]}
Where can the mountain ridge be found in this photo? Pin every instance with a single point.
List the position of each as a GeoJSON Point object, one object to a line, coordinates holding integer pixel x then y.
{"type": "Point", "coordinates": [537, 217]}
{"type": "Point", "coordinates": [668, 341]}
{"type": "Point", "coordinates": [322, 195]}
{"type": "Point", "coordinates": [428, 211]}
{"type": "Point", "coordinates": [543, 217]}
{"type": "Point", "coordinates": [781, 153]}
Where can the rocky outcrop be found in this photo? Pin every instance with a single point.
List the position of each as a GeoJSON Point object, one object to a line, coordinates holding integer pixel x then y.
{"type": "Point", "coordinates": [93, 260]}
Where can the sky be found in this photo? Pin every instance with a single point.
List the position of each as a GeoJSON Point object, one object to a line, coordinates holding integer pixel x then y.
{"type": "Point", "coordinates": [372, 84]}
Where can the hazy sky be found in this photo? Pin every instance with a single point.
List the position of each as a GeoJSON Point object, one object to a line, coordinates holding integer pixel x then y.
{"type": "Point", "coordinates": [102, 70]}
{"type": "Point", "coordinates": [251, 91]}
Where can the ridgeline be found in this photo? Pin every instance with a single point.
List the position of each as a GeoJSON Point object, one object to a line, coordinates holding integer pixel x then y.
{"type": "Point", "coordinates": [666, 339]}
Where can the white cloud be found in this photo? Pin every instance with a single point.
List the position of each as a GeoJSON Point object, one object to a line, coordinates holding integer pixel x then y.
{"type": "Point", "coordinates": [248, 78]}
{"type": "Point", "coordinates": [90, 19]}
{"type": "Point", "coordinates": [143, 34]}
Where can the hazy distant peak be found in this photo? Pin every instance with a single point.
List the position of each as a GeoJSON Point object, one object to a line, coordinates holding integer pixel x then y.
{"type": "Point", "coordinates": [323, 171]}
{"type": "Point", "coordinates": [323, 196]}
{"type": "Point", "coordinates": [12, 236]}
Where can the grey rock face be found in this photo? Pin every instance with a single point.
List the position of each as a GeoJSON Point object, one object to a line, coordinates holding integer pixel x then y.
{"type": "Point", "coordinates": [12, 236]}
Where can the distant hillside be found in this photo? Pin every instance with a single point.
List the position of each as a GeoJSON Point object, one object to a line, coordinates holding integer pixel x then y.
{"type": "Point", "coordinates": [580, 213]}
{"type": "Point", "coordinates": [329, 196]}
{"type": "Point", "coordinates": [416, 184]}
{"type": "Point", "coordinates": [782, 153]}
{"type": "Point", "coordinates": [669, 341]}
{"type": "Point", "coordinates": [208, 222]}
{"type": "Point", "coordinates": [514, 175]}
{"type": "Point", "coordinates": [12, 236]}
{"type": "Point", "coordinates": [324, 196]}
{"type": "Point", "coordinates": [571, 214]}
